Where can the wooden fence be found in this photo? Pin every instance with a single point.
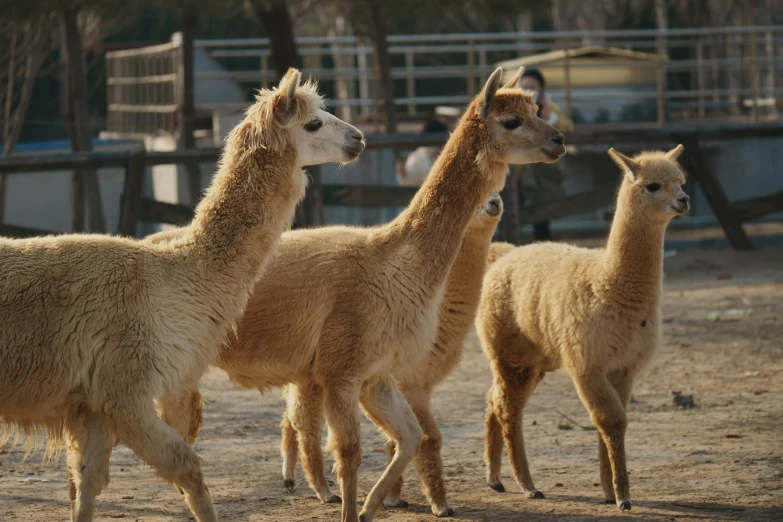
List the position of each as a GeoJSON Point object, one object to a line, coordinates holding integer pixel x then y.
{"type": "Point", "coordinates": [135, 208]}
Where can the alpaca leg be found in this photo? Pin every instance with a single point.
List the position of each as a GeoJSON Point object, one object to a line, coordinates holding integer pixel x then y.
{"type": "Point", "coordinates": [386, 407]}
{"type": "Point", "coordinates": [289, 451]}
{"type": "Point", "coordinates": [157, 444]}
{"type": "Point", "coordinates": [493, 445]}
{"type": "Point", "coordinates": [429, 465]}
{"type": "Point", "coordinates": [89, 447]}
{"type": "Point", "coordinates": [623, 383]}
{"type": "Point", "coordinates": [511, 391]}
{"type": "Point", "coordinates": [393, 498]}
{"type": "Point", "coordinates": [341, 405]}
{"type": "Point", "coordinates": [305, 411]}
{"type": "Point", "coordinates": [183, 411]}
{"type": "Point", "coordinates": [608, 415]}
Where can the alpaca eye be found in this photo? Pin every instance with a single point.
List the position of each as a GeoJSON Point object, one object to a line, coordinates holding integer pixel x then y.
{"type": "Point", "coordinates": [511, 124]}
{"type": "Point", "coordinates": [312, 126]}
{"type": "Point", "coordinates": [653, 187]}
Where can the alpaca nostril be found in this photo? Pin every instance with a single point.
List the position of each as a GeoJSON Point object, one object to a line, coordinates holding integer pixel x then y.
{"type": "Point", "coordinates": [559, 139]}
{"type": "Point", "coordinates": [357, 135]}
{"type": "Point", "coordinates": [684, 199]}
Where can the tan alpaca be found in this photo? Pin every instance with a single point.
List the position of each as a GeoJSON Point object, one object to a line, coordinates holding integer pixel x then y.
{"type": "Point", "coordinates": [94, 328]}
{"type": "Point", "coordinates": [594, 312]}
{"type": "Point", "coordinates": [342, 306]}
{"type": "Point", "coordinates": [497, 250]}
{"type": "Point", "coordinates": [457, 311]}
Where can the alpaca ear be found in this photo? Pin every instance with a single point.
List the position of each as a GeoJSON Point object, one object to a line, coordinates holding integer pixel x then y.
{"type": "Point", "coordinates": [673, 154]}
{"type": "Point", "coordinates": [284, 102]}
{"type": "Point", "coordinates": [629, 166]}
{"type": "Point", "coordinates": [516, 81]}
{"type": "Point", "coordinates": [488, 95]}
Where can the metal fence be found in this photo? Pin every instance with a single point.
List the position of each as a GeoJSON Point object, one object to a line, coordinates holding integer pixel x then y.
{"type": "Point", "coordinates": [731, 73]}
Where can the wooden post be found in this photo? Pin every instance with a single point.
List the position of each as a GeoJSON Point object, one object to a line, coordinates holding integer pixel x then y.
{"type": "Point", "coordinates": [509, 223]}
{"type": "Point", "coordinates": [471, 68]}
{"type": "Point", "coordinates": [187, 108]}
{"type": "Point", "coordinates": [314, 203]}
{"type": "Point", "coordinates": [567, 82]}
{"type": "Point", "coordinates": [131, 195]}
{"type": "Point", "coordinates": [660, 82]}
{"type": "Point", "coordinates": [700, 77]}
{"type": "Point", "coordinates": [710, 184]}
{"type": "Point", "coordinates": [754, 76]}
{"type": "Point", "coordinates": [410, 80]}
{"type": "Point", "coordinates": [264, 67]}
{"type": "Point", "coordinates": [364, 77]}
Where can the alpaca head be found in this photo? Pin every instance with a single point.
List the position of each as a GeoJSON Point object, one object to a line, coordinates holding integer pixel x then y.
{"type": "Point", "coordinates": [515, 133]}
{"type": "Point", "coordinates": [652, 185]}
{"type": "Point", "coordinates": [292, 115]}
{"type": "Point", "coordinates": [489, 213]}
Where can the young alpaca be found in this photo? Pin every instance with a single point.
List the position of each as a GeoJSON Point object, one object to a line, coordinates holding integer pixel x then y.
{"type": "Point", "coordinates": [342, 307]}
{"type": "Point", "coordinates": [594, 312]}
{"type": "Point", "coordinates": [94, 328]}
{"type": "Point", "coordinates": [302, 419]}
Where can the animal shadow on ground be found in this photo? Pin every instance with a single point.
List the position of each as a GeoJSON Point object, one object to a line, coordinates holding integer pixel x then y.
{"type": "Point", "coordinates": [685, 510]}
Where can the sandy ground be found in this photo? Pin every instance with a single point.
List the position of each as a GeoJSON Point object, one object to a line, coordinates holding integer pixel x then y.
{"type": "Point", "coordinates": [721, 461]}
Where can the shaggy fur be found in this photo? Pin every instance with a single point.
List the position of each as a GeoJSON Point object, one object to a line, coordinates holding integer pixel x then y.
{"type": "Point", "coordinates": [342, 307]}
{"type": "Point", "coordinates": [457, 311]}
{"type": "Point", "coordinates": [94, 328]}
{"type": "Point", "coordinates": [595, 313]}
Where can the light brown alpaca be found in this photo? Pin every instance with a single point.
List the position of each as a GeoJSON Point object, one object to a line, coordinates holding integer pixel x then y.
{"type": "Point", "coordinates": [302, 419]}
{"type": "Point", "coordinates": [342, 307]}
{"type": "Point", "coordinates": [595, 312]}
{"type": "Point", "coordinates": [95, 328]}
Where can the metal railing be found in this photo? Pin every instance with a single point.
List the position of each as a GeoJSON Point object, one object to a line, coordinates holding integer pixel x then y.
{"type": "Point", "coordinates": [731, 73]}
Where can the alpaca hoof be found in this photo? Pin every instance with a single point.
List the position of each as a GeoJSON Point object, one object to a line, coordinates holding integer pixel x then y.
{"type": "Point", "coordinates": [290, 485]}
{"type": "Point", "coordinates": [535, 494]}
{"type": "Point", "coordinates": [443, 512]}
{"type": "Point", "coordinates": [624, 505]}
{"type": "Point", "coordinates": [497, 486]}
{"type": "Point", "coordinates": [331, 498]}
{"type": "Point", "coordinates": [397, 503]}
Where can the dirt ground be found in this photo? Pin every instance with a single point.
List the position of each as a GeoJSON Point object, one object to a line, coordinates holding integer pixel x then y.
{"type": "Point", "coordinates": [720, 461]}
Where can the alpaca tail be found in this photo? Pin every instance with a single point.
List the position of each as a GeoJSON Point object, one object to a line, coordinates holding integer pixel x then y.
{"type": "Point", "coordinates": [34, 433]}
{"type": "Point", "coordinates": [497, 250]}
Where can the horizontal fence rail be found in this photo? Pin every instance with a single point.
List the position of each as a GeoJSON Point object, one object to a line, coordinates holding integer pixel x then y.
{"type": "Point", "coordinates": [723, 74]}
{"type": "Point", "coordinates": [135, 208]}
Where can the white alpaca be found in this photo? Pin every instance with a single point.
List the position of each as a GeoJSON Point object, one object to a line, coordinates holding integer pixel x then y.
{"type": "Point", "coordinates": [94, 328]}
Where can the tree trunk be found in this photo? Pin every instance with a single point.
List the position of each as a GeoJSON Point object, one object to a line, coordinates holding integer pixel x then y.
{"type": "Point", "coordinates": [77, 180]}
{"type": "Point", "coordinates": [187, 113]}
{"type": "Point", "coordinates": [9, 95]}
{"type": "Point", "coordinates": [81, 140]}
{"type": "Point", "coordinates": [383, 64]}
{"type": "Point", "coordinates": [274, 16]}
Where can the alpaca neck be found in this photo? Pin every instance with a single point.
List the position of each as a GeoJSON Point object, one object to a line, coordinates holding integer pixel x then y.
{"type": "Point", "coordinates": [634, 253]}
{"type": "Point", "coordinates": [437, 217]}
{"type": "Point", "coordinates": [239, 221]}
{"type": "Point", "coordinates": [468, 270]}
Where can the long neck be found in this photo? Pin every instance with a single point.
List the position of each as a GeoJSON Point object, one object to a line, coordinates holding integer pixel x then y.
{"type": "Point", "coordinates": [462, 177]}
{"type": "Point", "coordinates": [467, 273]}
{"type": "Point", "coordinates": [239, 221]}
{"type": "Point", "coordinates": [634, 254]}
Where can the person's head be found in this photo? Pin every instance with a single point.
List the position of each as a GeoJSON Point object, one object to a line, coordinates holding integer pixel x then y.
{"type": "Point", "coordinates": [533, 80]}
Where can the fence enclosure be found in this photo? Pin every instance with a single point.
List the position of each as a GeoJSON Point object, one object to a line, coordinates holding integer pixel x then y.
{"type": "Point", "coordinates": [711, 74]}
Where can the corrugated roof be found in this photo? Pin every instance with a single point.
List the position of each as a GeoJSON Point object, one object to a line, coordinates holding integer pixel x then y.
{"type": "Point", "coordinates": [593, 51]}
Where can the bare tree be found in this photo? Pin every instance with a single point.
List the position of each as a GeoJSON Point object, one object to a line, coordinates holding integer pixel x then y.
{"type": "Point", "coordinates": [25, 46]}
{"type": "Point", "coordinates": [276, 19]}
